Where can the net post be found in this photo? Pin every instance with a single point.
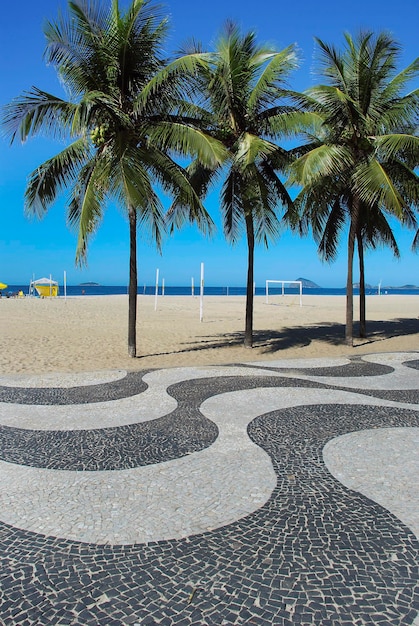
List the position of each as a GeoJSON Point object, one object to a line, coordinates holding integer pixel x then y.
{"type": "Point", "coordinates": [156, 292]}
{"type": "Point", "coordinates": [282, 283]}
{"type": "Point", "coordinates": [201, 295]}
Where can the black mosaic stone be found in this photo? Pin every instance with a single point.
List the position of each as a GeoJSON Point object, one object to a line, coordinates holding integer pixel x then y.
{"type": "Point", "coordinates": [356, 367]}
{"type": "Point", "coordinates": [109, 448]}
{"type": "Point", "coordinates": [409, 396]}
{"type": "Point", "coordinates": [183, 431]}
{"type": "Point", "coordinates": [413, 364]}
{"type": "Point", "coordinates": [315, 553]}
{"type": "Point", "coordinates": [130, 385]}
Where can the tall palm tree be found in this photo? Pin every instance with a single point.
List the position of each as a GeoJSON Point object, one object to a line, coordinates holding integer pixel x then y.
{"type": "Point", "coordinates": [246, 107]}
{"type": "Point", "coordinates": [116, 118]}
{"type": "Point", "coordinates": [374, 231]}
{"type": "Point", "coordinates": [358, 166]}
{"type": "Point", "coordinates": [328, 221]}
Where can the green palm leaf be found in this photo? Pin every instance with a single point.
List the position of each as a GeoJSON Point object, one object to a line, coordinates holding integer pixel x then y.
{"type": "Point", "coordinates": [250, 149]}
{"type": "Point", "coordinates": [36, 112]}
{"type": "Point", "coordinates": [321, 161]}
{"type": "Point", "coordinates": [186, 139]}
{"type": "Point", "coordinates": [359, 160]}
{"type": "Point", "coordinates": [128, 113]}
{"type": "Point", "coordinates": [52, 177]}
{"type": "Point", "coordinates": [396, 145]}
{"type": "Point", "coordinates": [373, 185]}
{"type": "Point", "coordinates": [277, 69]}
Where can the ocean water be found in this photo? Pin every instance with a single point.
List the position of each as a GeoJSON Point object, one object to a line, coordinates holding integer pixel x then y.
{"type": "Point", "coordinates": [105, 290]}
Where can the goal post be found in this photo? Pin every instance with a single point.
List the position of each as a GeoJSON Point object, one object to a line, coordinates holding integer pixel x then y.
{"type": "Point", "coordinates": [296, 284]}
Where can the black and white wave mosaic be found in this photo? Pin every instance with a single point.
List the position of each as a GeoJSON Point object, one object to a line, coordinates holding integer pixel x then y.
{"type": "Point", "coordinates": [222, 511]}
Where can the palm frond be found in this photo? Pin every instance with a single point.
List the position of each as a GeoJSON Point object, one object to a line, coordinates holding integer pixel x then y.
{"type": "Point", "coordinates": [174, 75]}
{"type": "Point", "coordinates": [85, 209]}
{"type": "Point", "coordinates": [290, 123]}
{"type": "Point", "coordinates": [396, 145]}
{"type": "Point", "coordinates": [400, 81]}
{"type": "Point", "coordinates": [261, 202]}
{"type": "Point", "coordinates": [407, 182]}
{"type": "Point", "coordinates": [200, 179]}
{"type": "Point", "coordinates": [231, 207]}
{"type": "Point", "coordinates": [138, 192]}
{"type": "Point", "coordinates": [177, 182]}
{"type": "Point", "coordinates": [322, 161]}
{"type": "Point", "coordinates": [185, 139]}
{"type": "Point", "coordinates": [373, 185]}
{"type": "Point", "coordinates": [278, 189]}
{"type": "Point", "coordinates": [36, 112]}
{"type": "Point", "coordinates": [250, 149]}
{"type": "Point", "coordinates": [376, 229]}
{"type": "Point", "coordinates": [276, 70]}
{"type": "Point", "coordinates": [329, 241]}
{"type": "Point", "coordinates": [331, 63]}
{"type": "Point", "coordinates": [54, 176]}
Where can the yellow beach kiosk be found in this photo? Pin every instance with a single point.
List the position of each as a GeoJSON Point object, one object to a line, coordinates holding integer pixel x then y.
{"type": "Point", "coordinates": [45, 287]}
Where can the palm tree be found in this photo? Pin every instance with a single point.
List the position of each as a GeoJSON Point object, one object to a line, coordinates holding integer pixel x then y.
{"type": "Point", "coordinates": [116, 119]}
{"type": "Point", "coordinates": [374, 231]}
{"type": "Point", "coordinates": [358, 165]}
{"type": "Point", "coordinates": [327, 223]}
{"type": "Point", "coordinates": [241, 87]}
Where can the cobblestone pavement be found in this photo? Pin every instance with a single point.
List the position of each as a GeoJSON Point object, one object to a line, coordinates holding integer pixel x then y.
{"type": "Point", "coordinates": [278, 492]}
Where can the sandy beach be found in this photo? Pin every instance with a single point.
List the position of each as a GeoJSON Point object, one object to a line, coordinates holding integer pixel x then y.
{"type": "Point", "coordinates": [90, 333]}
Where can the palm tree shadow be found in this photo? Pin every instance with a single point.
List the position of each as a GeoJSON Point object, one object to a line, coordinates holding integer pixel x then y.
{"type": "Point", "coordinates": [333, 334]}
{"type": "Point", "coordinates": [271, 341]}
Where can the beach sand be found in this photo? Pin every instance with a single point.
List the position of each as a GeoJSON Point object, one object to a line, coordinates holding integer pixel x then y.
{"type": "Point", "coordinates": [90, 333]}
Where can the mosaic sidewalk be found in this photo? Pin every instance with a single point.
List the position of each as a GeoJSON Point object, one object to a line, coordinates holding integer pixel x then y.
{"type": "Point", "coordinates": [278, 492]}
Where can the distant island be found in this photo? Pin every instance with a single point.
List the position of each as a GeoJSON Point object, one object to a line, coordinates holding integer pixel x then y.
{"type": "Point", "coordinates": [381, 287]}
{"type": "Point", "coordinates": [89, 285]}
{"type": "Point", "coordinates": [308, 284]}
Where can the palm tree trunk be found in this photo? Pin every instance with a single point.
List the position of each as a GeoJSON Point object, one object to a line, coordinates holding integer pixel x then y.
{"type": "Point", "coordinates": [362, 307]}
{"type": "Point", "coordinates": [248, 331]}
{"type": "Point", "coordinates": [353, 230]}
{"type": "Point", "coordinates": [349, 294]}
{"type": "Point", "coordinates": [132, 289]}
{"type": "Point", "coordinates": [349, 328]}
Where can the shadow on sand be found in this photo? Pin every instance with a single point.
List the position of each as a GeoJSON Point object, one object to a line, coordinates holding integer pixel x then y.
{"type": "Point", "coordinates": [270, 341]}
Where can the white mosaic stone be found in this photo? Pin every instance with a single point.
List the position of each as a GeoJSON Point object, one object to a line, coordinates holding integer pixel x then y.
{"type": "Point", "coordinates": [401, 378]}
{"type": "Point", "coordinates": [382, 464]}
{"type": "Point", "coordinates": [392, 359]}
{"type": "Point", "coordinates": [204, 490]}
{"type": "Point", "coordinates": [208, 489]}
{"type": "Point", "coordinates": [169, 500]}
{"type": "Point", "coordinates": [172, 376]}
{"type": "Point", "coordinates": [302, 363]}
{"type": "Point", "coordinates": [151, 404]}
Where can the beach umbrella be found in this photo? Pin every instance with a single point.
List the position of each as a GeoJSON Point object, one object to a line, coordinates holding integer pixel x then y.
{"type": "Point", "coordinates": [3, 286]}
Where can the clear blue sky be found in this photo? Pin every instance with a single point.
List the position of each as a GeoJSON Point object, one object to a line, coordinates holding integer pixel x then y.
{"type": "Point", "coordinates": [47, 247]}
